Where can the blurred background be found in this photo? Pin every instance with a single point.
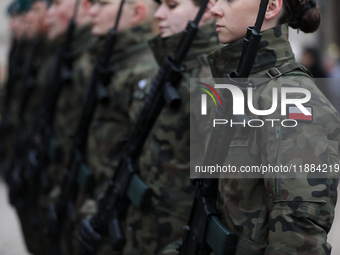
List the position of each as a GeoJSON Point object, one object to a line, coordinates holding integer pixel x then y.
{"type": "Point", "coordinates": [319, 52]}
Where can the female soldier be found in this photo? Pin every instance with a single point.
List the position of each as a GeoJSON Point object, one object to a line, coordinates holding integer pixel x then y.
{"type": "Point", "coordinates": [164, 163]}
{"type": "Point", "coordinates": [277, 215]}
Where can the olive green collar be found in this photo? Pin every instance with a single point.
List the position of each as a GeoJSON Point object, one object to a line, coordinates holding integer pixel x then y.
{"type": "Point", "coordinates": [131, 41]}
{"type": "Point", "coordinates": [82, 38]}
{"type": "Point", "coordinates": [128, 43]}
{"type": "Point", "coordinates": [274, 50]}
{"type": "Point", "coordinates": [205, 41]}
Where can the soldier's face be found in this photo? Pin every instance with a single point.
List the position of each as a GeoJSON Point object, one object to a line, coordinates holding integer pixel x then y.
{"type": "Point", "coordinates": [58, 17]}
{"type": "Point", "coordinates": [18, 26]}
{"type": "Point", "coordinates": [104, 14]}
{"type": "Point", "coordinates": [233, 18]}
{"type": "Point", "coordinates": [35, 18]}
{"type": "Point", "coordinates": [12, 24]}
{"type": "Point", "coordinates": [173, 16]}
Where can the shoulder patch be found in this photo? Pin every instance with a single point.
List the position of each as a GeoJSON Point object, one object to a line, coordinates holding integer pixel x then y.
{"type": "Point", "coordinates": [142, 83]}
{"type": "Point", "coordinates": [294, 113]}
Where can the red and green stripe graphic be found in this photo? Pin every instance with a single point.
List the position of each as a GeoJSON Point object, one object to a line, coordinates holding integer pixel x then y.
{"type": "Point", "coordinates": [209, 93]}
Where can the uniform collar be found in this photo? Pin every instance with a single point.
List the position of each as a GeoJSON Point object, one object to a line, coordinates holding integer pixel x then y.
{"type": "Point", "coordinates": [131, 41]}
{"type": "Point", "coordinates": [274, 50]}
{"type": "Point", "coordinates": [82, 38]}
{"type": "Point", "coordinates": [205, 41]}
{"type": "Point", "coordinates": [128, 43]}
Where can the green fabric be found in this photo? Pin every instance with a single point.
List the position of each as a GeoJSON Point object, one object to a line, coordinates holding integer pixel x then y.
{"type": "Point", "coordinates": [164, 163]}
{"type": "Point", "coordinates": [276, 214]}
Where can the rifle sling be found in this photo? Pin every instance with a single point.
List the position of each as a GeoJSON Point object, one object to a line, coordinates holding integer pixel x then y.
{"type": "Point", "coordinates": [276, 72]}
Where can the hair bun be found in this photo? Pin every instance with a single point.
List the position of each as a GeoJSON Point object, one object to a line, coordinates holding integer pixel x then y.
{"type": "Point", "coordinates": [310, 17]}
{"type": "Point", "coordinates": [307, 17]}
{"type": "Point", "coordinates": [301, 15]}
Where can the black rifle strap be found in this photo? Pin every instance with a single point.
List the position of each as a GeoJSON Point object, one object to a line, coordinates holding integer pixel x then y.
{"type": "Point", "coordinates": [261, 15]}
{"type": "Point", "coordinates": [119, 14]}
{"type": "Point", "coordinates": [276, 72]}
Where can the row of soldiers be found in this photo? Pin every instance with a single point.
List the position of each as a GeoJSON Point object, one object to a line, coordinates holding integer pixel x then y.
{"type": "Point", "coordinates": [75, 102]}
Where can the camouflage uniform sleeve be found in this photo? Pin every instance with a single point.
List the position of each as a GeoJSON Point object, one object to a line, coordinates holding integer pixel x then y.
{"type": "Point", "coordinates": [301, 210]}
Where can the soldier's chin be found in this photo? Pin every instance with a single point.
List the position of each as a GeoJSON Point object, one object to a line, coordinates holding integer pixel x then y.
{"type": "Point", "coordinates": [98, 32]}
{"type": "Point", "coordinates": [166, 33]}
{"type": "Point", "coordinates": [54, 34]}
{"type": "Point", "coordinates": [51, 35]}
{"type": "Point", "coordinates": [223, 39]}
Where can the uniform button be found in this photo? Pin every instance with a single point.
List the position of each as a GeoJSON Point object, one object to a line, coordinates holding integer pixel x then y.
{"type": "Point", "coordinates": [211, 62]}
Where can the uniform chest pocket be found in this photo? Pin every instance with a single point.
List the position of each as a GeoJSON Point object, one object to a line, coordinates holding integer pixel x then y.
{"type": "Point", "coordinates": [243, 152]}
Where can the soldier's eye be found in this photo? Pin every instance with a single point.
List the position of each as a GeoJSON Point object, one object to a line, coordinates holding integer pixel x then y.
{"type": "Point", "coordinates": [172, 5]}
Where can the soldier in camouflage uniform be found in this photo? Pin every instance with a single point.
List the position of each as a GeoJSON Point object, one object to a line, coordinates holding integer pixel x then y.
{"type": "Point", "coordinates": [29, 95]}
{"type": "Point", "coordinates": [39, 55]}
{"type": "Point", "coordinates": [68, 107]}
{"type": "Point", "coordinates": [19, 52]}
{"type": "Point", "coordinates": [164, 163]}
{"type": "Point", "coordinates": [69, 102]}
{"type": "Point", "coordinates": [12, 72]}
{"type": "Point", "coordinates": [133, 66]}
{"type": "Point", "coordinates": [277, 215]}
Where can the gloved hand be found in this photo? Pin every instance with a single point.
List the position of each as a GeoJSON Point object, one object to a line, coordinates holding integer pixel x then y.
{"type": "Point", "coordinates": [88, 239]}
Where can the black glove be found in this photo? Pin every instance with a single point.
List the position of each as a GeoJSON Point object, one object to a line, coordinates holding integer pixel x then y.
{"type": "Point", "coordinates": [88, 239]}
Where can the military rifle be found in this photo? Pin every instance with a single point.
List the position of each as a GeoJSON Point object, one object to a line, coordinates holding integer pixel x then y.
{"type": "Point", "coordinates": [77, 176]}
{"type": "Point", "coordinates": [205, 231]}
{"type": "Point", "coordinates": [126, 186]}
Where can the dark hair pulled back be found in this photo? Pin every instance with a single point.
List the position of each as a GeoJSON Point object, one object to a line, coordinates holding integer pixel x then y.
{"type": "Point", "coordinates": [301, 14]}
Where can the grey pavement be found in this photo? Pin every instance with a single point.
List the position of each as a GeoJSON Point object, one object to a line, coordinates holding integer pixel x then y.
{"type": "Point", "coordinates": [11, 242]}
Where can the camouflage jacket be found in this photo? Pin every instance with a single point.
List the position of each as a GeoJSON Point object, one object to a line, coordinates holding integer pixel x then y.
{"type": "Point", "coordinates": [133, 64]}
{"type": "Point", "coordinates": [276, 214]}
{"type": "Point", "coordinates": [40, 59]}
{"type": "Point", "coordinates": [22, 54]}
{"type": "Point", "coordinates": [69, 108]}
{"type": "Point", "coordinates": [164, 163]}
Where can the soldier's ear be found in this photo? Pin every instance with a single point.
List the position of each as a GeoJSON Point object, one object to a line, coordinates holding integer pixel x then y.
{"type": "Point", "coordinates": [206, 15]}
{"type": "Point", "coordinates": [273, 9]}
{"type": "Point", "coordinates": [139, 13]}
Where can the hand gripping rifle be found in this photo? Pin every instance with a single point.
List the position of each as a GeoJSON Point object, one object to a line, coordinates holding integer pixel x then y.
{"type": "Point", "coordinates": [77, 176]}
{"type": "Point", "coordinates": [205, 231]}
{"type": "Point", "coordinates": [126, 185]}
